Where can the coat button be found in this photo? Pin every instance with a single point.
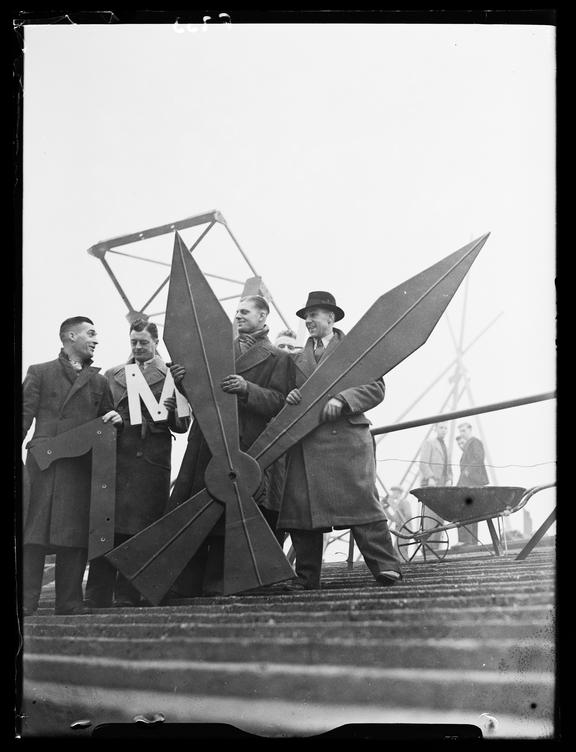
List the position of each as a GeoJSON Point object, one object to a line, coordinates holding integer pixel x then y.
{"type": "Point", "coordinates": [139, 454]}
{"type": "Point", "coordinates": [334, 430]}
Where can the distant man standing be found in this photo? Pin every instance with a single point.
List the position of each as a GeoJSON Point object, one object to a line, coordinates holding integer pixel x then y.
{"type": "Point", "coordinates": [60, 395]}
{"type": "Point", "coordinates": [331, 472]}
{"type": "Point", "coordinates": [472, 472]}
{"type": "Point", "coordinates": [435, 467]}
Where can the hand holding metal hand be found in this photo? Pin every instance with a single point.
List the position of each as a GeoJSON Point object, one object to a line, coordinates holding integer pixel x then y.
{"type": "Point", "coordinates": [234, 384]}
{"type": "Point", "coordinates": [332, 410]}
{"type": "Point", "coordinates": [178, 372]}
{"type": "Point", "coordinates": [294, 397]}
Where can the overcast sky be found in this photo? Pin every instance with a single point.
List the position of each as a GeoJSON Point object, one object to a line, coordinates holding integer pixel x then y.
{"type": "Point", "coordinates": [344, 157]}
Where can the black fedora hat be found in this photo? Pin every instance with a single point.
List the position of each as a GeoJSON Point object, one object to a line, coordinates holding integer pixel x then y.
{"type": "Point", "coordinates": [321, 299]}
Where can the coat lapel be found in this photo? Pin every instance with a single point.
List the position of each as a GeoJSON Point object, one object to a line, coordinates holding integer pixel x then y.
{"type": "Point", "coordinates": [253, 356]}
{"type": "Point", "coordinates": [305, 360]}
{"type": "Point", "coordinates": [81, 380]}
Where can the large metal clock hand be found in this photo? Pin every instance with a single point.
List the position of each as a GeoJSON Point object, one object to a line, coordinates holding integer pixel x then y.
{"type": "Point", "coordinates": [199, 336]}
{"type": "Point", "coordinates": [396, 325]}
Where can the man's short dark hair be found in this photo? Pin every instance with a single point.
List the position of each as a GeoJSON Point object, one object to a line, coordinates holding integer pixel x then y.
{"type": "Point", "coordinates": [287, 333]}
{"type": "Point", "coordinates": [258, 301]}
{"type": "Point", "coordinates": [70, 323]}
{"type": "Point", "coordinates": [141, 325]}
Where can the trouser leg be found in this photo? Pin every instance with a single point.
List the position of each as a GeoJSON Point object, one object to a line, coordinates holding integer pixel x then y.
{"type": "Point", "coordinates": [375, 544]}
{"type": "Point", "coordinates": [69, 573]}
{"type": "Point", "coordinates": [100, 582]}
{"type": "Point", "coordinates": [470, 535]}
{"type": "Point", "coordinates": [432, 522]}
{"type": "Point", "coordinates": [308, 548]}
{"type": "Point", "coordinates": [32, 572]}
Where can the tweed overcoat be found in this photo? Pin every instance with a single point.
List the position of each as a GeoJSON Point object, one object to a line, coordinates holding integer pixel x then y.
{"type": "Point", "coordinates": [432, 463]}
{"type": "Point", "coordinates": [472, 467]}
{"type": "Point", "coordinates": [270, 375]}
{"type": "Point", "coordinates": [143, 457]}
{"type": "Point", "coordinates": [331, 474]}
{"type": "Point", "coordinates": [60, 399]}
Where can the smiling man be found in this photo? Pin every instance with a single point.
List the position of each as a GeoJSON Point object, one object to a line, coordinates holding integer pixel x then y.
{"type": "Point", "coordinates": [263, 377]}
{"type": "Point", "coordinates": [60, 395]}
{"type": "Point", "coordinates": [331, 473]}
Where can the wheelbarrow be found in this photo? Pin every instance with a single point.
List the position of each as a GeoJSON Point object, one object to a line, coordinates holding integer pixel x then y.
{"type": "Point", "coordinates": [458, 506]}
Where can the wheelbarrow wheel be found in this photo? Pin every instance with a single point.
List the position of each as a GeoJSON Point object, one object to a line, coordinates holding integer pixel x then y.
{"type": "Point", "coordinates": [425, 536]}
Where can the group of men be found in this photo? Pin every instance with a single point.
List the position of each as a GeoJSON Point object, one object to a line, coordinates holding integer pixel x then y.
{"type": "Point", "coordinates": [326, 481]}
{"type": "Point", "coordinates": [435, 468]}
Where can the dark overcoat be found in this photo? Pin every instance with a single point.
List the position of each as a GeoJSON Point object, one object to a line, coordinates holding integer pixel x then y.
{"type": "Point", "coordinates": [143, 456]}
{"type": "Point", "coordinates": [270, 375]}
{"type": "Point", "coordinates": [472, 467]}
{"type": "Point", "coordinates": [59, 398]}
{"type": "Point", "coordinates": [331, 474]}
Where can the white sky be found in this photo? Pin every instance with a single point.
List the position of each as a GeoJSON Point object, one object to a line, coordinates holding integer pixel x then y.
{"type": "Point", "coordinates": [344, 157]}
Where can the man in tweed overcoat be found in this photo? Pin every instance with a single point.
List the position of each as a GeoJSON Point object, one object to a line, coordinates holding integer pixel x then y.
{"type": "Point", "coordinates": [331, 473]}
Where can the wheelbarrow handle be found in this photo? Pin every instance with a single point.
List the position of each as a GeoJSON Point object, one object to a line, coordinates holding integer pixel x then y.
{"type": "Point", "coordinates": [530, 493]}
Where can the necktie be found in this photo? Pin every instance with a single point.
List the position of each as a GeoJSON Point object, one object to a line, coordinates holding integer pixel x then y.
{"type": "Point", "coordinates": [318, 352]}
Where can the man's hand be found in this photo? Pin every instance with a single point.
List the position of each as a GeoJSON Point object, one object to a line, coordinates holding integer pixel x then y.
{"type": "Point", "coordinates": [178, 372]}
{"type": "Point", "coordinates": [294, 397]}
{"type": "Point", "coordinates": [112, 417]}
{"type": "Point", "coordinates": [170, 404]}
{"type": "Point", "coordinates": [234, 384]}
{"type": "Point", "coordinates": [332, 409]}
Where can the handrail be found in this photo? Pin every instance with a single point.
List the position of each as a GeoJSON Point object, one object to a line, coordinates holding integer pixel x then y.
{"type": "Point", "coordinates": [463, 413]}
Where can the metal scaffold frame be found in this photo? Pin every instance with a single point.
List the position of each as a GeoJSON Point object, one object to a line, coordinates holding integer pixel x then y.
{"type": "Point", "coordinates": [251, 286]}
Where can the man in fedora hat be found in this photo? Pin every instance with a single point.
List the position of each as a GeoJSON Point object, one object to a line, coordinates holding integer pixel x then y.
{"type": "Point", "coordinates": [331, 473]}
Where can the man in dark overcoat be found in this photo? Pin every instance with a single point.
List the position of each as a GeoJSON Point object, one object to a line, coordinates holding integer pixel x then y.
{"type": "Point", "coordinates": [331, 473]}
{"type": "Point", "coordinates": [264, 376]}
{"type": "Point", "coordinates": [472, 473]}
{"type": "Point", "coordinates": [61, 395]}
{"type": "Point", "coordinates": [143, 463]}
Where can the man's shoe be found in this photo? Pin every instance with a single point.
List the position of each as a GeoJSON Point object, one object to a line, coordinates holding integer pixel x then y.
{"type": "Point", "coordinates": [80, 610]}
{"type": "Point", "coordinates": [388, 578]}
{"type": "Point", "coordinates": [296, 587]}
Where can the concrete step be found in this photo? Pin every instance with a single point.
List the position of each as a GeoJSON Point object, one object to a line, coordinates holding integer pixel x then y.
{"type": "Point", "coordinates": [527, 693]}
{"type": "Point", "coordinates": [375, 600]}
{"type": "Point", "coordinates": [459, 627]}
{"type": "Point", "coordinates": [465, 654]}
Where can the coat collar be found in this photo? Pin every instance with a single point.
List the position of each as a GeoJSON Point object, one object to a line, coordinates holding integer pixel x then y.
{"type": "Point", "coordinates": [256, 354]}
{"type": "Point", "coordinates": [84, 376]}
{"type": "Point", "coordinates": [305, 360]}
{"type": "Point", "coordinates": [153, 373]}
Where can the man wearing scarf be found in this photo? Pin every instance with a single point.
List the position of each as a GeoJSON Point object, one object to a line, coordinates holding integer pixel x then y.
{"type": "Point", "coordinates": [60, 395]}
{"type": "Point", "coordinates": [264, 376]}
